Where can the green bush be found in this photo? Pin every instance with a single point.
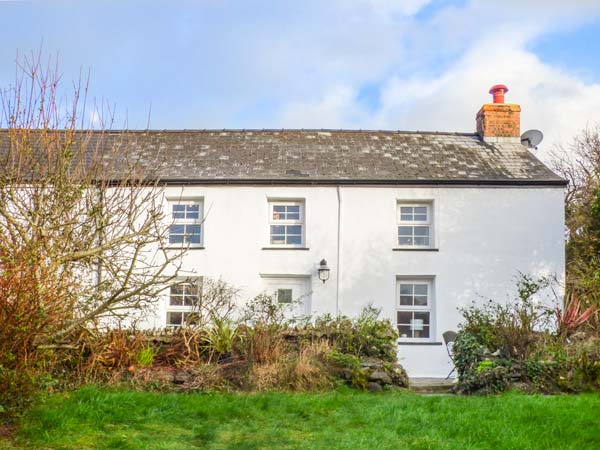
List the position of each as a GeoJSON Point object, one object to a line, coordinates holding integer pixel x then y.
{"type": "Point", "coordinates": [582, 364]}
{"type": "Point", "coordinates": [366, 336]}
{"type": "Point", "coordinates": [347, 367]}
{"type": "Point", "coordinates": [16, 390]}
{"type": "Point", "coordinates": [261, 351]}
{"type": "Point", "coordinates": [514, 328]}
{"type": "Point", "coordinates": [468, 351]}
{"type": "Point", "coordinates": [534, 370]}
{"type": "Point", "coordinates": [480, 322]}
{"type": "Point", "coordinates": [484, 365]}
{"type": "Point", "coordinates": [490, 380]}
{"type": "Point", "coordinates": [522, 339]}
{"type": "Point", "coordinates": [220, 338]}
{"type": "Point", "coordinates": [145, 357]}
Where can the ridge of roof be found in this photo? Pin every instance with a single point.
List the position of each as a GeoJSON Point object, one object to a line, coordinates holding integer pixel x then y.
{"type": "Point", "coordinates": [269, 130]}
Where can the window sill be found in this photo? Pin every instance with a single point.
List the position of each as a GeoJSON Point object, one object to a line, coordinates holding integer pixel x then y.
{"type": "Point", "coordinates": [200, 247]}
{"type": "Point", "coordinates": [419, 343]}
{"type": "Point", "coordinates": [285, 248]}
{"type": "Point", "coordinates": [415, 249]}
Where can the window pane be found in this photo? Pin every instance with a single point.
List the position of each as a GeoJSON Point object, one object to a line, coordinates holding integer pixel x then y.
{"type": "Point", "coordinates": [404, 317]}
{"type": "Point", "coordinates": [420, 289]}
{"type": "Point", "coordinates": [420, 300]}
{"type": "Point", "coordinates": [190, 300]}
{"type": "Point", "coordinates": [416, 324]}
{"type": "Point", "coordinates": [193, 233]}
{"type": "Point", "coordinates": [405, 240]}
{"type": "Point", "coordinates": [277, 229]}
{"type": "Point", "coordinates": [294, 240]}
{"type": "Point", "coordinates": [404, 331]}
{"type": "Point", "coordinates": [278, 212]}
{"type": "Point", "coordinates": [194, 239]}
{"type": "Point", "coordinates": [190, 289]}
{"type": "Point", "coordinates": [421, 231]}
{"type": "Point", "coordinates": [177, 289]}
{"type": "Point", "coordinates": [423, 316]}
{"type": "Point", "coordinates": [284, 295]}
{"type": "Point", "coordinates": [175, 300]}
{"type": "Point", "coordinates": [293, 216]}
{"type": "Point", "coordinates": [294, 229]}
{"type": "Point", "coordinates": [413, 213]}
{"type": "Point", "coordinates": [178, 211]}
{"type": "Point", "coordinates": [423, 241]}
{"type": "Point", "coordinates": [277, 239]}
{"type": "Point", "coordinates": [293, 209]}
{"type": "Point", "coordinates": [193, 229]}
{"type": "Point", "coordinates": [406, 300]}
{"type": "Point", "coordinates": [405, 231]}
{"type": "Point", "coordinates": [174, 318]}
{"type": "Point", "coordinates": [406, 289]}
{"type": "Point", "coordinates": [176, 239]}
{"type": "Point", "coordinates": [424, 333]}
{"type": "Point", "coordinates": [176, 229]}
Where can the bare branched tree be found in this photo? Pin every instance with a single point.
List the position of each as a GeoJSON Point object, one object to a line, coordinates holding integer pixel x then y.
{"type": "Point", "coordinates": [579, 163]}
{"type": "Point", "coordinates": [77, 209]}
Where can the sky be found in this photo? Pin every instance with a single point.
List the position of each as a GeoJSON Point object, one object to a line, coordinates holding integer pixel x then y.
{"type": "Point", "coordinates": [358, 64]}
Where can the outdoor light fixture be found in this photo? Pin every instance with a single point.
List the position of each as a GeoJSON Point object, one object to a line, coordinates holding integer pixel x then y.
{"type": "Point", "coordinates": [323, 271]}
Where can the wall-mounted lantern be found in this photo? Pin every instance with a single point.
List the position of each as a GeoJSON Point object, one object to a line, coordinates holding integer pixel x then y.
{"type": "Point", "coordinates": [323, 271]}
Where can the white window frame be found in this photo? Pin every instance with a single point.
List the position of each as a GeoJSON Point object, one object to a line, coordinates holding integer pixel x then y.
{"type": "Point", "coordinates": [184, 309]}
{"type": "Point", "coordinates": [178, 221]}
{"type": "Point", "coordinates": [430, 308]}
{"type": "Point", "coordinates": [429, 223]}
{"type": "Point", "coordinates": [287, 222]}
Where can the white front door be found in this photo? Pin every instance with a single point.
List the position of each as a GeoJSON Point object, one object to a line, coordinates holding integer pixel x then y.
{"type": "Point", "coordinates": [293, 293]}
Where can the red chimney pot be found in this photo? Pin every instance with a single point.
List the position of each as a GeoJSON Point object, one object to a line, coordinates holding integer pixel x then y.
{"type": "Point", "coordinates": [498, 92]}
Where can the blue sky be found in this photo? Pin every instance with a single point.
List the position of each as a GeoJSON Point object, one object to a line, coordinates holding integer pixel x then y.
{"type": "Point", "coordinates": [383, 64]}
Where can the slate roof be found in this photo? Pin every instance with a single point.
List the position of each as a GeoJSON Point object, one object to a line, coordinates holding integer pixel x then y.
{"type": "Point", "coordinates": [326, 157]}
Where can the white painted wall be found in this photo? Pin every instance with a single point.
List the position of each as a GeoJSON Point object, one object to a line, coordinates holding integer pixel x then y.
{"type": "Point", "coordinates": [484, 235]}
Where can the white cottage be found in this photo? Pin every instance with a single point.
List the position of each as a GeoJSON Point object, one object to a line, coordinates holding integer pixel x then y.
{"type": "Point", "coordinates": [415, 223]}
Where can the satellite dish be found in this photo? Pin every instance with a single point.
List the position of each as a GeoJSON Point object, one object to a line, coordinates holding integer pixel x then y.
{"type": "Point", "coordinates": [532, 138]}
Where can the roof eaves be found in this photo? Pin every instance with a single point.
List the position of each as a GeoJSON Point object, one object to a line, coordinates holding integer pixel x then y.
{"type": "Point", "coordinates": [555, 182]}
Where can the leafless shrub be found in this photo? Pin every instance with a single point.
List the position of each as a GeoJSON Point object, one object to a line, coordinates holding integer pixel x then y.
{"type": "Point", "coordinates": [83, 232]}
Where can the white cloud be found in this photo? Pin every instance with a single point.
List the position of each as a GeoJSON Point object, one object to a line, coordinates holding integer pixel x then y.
{"type": "Point", "coordinates": [318, 64]}
{"type": "Point", "coordinates": [554, 101]}
{"type": "Point", "coordinates": [496, 51]}
{"type": "Point", "coordinates": [336, 109]}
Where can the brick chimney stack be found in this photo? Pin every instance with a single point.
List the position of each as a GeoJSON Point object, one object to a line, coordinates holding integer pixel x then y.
{"type": "Point", "coordinates": [499, 121]}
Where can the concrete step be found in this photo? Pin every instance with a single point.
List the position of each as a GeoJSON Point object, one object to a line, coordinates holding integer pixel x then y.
{"type": "Point", "coordinates": [431, 385]}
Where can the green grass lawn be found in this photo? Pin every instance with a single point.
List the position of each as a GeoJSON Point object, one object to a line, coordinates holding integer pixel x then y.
{"type": "Point", "coordinates": [93, 418]}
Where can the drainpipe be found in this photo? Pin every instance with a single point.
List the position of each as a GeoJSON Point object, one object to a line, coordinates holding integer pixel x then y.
{"type": "Point", "coordinates": [337, 265]}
